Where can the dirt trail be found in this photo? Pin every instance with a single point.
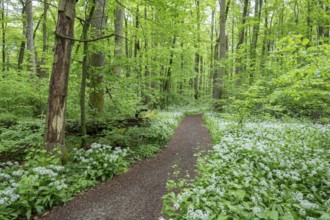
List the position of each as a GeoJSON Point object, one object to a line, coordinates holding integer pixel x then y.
{"type": "Point", "coordinates": [137, 194]}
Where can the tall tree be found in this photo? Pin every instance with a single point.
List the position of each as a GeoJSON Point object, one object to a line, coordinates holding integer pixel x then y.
{"type": "Point", "coordinates": [58, 87]}
{"type": "Point", "coordinates": [29, 36]}
{"type": "Point", "coordinates": [119, 19]}
{"type": "Point", "coordinates": [221, 69]}
{"type": "Point", "coordinates": [255, 35]}
{"type": "Point", "coordinates": [97, 57]}
{"type": "Point", "coordinates": [197, 46]}
{"type": "Point", "coordinates": [3, 26]}
{"type": "Point", "coordinates": [241, 38]}
{"type": "Point", "coordinates": [23, 42]}
{"type": "Point", "coordinates": [86, 26]}
{"type": "Point", "coordinates": [42, 72]}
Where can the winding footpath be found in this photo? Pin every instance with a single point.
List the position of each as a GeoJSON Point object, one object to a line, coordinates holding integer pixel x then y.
{"type": "Point", "coordinates": [137, 194]}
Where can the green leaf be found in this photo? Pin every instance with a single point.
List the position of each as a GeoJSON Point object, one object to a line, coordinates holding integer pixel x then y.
{"type": "Point", "coordinates": [325, 216]}
{"type": "Point", "coordinates": [28, 213]}
{"type": "Point", "coordinates": [222, 217]}
{"type": "Point", "coordinates": [273, 215]}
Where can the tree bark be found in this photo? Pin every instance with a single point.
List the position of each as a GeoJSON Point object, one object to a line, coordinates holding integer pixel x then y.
{"type": "Point", "coordinates": [84, 77]}
{"type": "Point", "coordinates": [3, 26]}
{"type": "Point", "coordinates": [118, 39]}
{"type": "Point", "coordinates": [58, 87]}
{"type": "Point", "coordinates": [197, 59]}
{"type": "Point", "coordinates": [29, 36]}
{"type": "Point", "coordinates": [98, 24]}
{"type": "Point", "coordinates": [255, 35]}
{"type": "Point", "coordinates": [168, 77]}
{"type": "Point", "coordinates": [23, 43]}
{"type": "Point", "coordinates": [221, 69]}
{"type": "Point", "coordinates": [42, 72]}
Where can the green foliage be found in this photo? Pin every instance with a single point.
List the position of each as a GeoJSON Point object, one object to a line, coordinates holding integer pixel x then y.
{"type": "Point", "coordinates": [144, 151]}
{"type": "Point", "coordinates": [100, 162]}
{"type": "Point", "coordinates": [295, 84]}
{"type": "Point", "coordinates": [258, 169]}
{"type": "Point", "coordinates": [41, 181]}
{"type": "Point", "coordinates": [18, 139]}
{"type": "Point", "coordinates": [22, 97]}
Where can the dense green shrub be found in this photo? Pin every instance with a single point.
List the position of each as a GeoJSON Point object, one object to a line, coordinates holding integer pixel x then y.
{"type": "Point", "coordinates": [16, 140]}
{"type": "Point", "coordinates": [295, 83]}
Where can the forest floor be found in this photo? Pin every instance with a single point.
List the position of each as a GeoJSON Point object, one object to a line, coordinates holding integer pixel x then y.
{"type": "Point", "coordinates": [138, 193]}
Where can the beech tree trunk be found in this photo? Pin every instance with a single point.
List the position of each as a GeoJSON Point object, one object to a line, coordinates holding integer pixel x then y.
{"type": "Point", "coordinates": [29, 36]}
{"type": "Point", "coordinates": [58, 87]}
{"type": "Point", "coordinates": [84, 77]}
{"type": "Point", "coordinates": [221, 69]}
{"type": "Point", "coordinates": [118, 39]}
{"type": "Point", "coordinates": [239, 66]}
{"type": "Point", "coordinates": [98, 24]}
{"type": "Point", "coordinates": [3, 35]}
{"type": "Point", "coordinates": [255, 35]}
{"type": "Point", "coordinates": [23, 43]}
{"type": "Point", "coordinates": [197, 59]}
{"type": "Point", "coordinates": [42, 73]}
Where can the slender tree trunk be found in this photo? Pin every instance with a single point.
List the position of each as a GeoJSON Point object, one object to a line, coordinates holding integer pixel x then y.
{"type": "Point", "coordinates": [29, 36]}
{"type": "Point", "coordinates": [3, 27]}
{"type": "Point", "coordinates": [118, 39]}
{"type": "Point", "coordinates": [84, 76]}
{"type": "Point", "coordinates": [309, 22]}
{"type": "Point", "coordinates": [23, 43]}
{"type": "Point", "coordinates": [58, 87]}
{"type": "Point", "coordinates": [136, 40]}
{"type": "Point", "coordinates": [255, 35]}
{"type": "Point", "coordinates": [98, 24]}
{"type": "Point", "coordinates": [147, 61]}
{"type": "Point", "coordinates": [197, 59]}
{"type": "Point", "coordinates": [264, 49]}
{"type": "Point", "coordinates": [42, 72]}
{"type": "Point", "coordinates": [242, 29]}
{"type": "Point", "coordinates": [220, 74]}
{"type": "Point", "coordinates": [167, 82]}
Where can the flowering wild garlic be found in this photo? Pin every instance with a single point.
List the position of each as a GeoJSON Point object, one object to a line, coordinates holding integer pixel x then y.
{"type": "Point", "coordinates": [259, 170]}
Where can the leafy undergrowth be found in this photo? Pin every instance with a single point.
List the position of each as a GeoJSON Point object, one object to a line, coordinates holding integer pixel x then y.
{"type": "Point", "coordinates": [39, 181]}
{"type": "Point", "coordinates": [258, 170]}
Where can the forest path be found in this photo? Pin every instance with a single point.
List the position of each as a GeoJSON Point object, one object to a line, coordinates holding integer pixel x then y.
{"type": "Point", "coordinates": [137, 194]}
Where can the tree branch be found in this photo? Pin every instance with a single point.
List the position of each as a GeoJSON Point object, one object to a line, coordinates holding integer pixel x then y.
{"type": "Point", "coordinates": [82, 41]}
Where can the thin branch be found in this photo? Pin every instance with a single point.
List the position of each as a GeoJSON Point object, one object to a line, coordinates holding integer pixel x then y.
{"type": "Point", "coordinates": [38, 24]}
{"type": "Point", "coordinates": [108, 91]}
{"type": "Point", "coordinates": [89, 40]}
{"type": "Point", "coordinates": [82, 41]}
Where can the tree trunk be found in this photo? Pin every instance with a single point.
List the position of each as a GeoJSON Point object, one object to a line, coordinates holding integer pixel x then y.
{"type": "Point", "coordinates": [29, 36]}
{"type": "Point", "coordinates": [42, 72]}
{"type": "Point", "coordinates": [98, 24]}
{"type": "Point", "coordinates": [58, 87]}
{"type": "Point", "coordinates": [168, 77]}
{"type": "Point", "coordinates": [239, 66]}
{"type": "Point", "coordinates": [3, 26]}
{"type": "Point", "coordinates": [221, 69]}
{"type": "Point", "coordinates": [255, 35]}
{"type": "Point", "coordinates": [23, 43]}
{"type": "Point", "coordinates": [309, 22]}
{"type": "Point", "coordinates": [264, 49]}
{"type": "Point", "coordinates": [118, 39]}
{"type": "Point", "coordinates": [84, 77]}
{"type": "Point", "coordinates": [197, 59]}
